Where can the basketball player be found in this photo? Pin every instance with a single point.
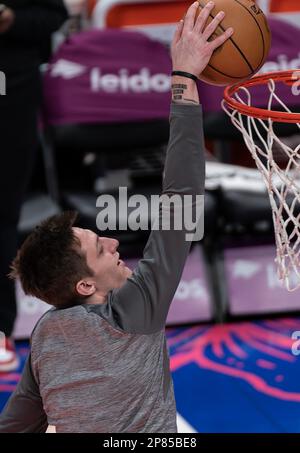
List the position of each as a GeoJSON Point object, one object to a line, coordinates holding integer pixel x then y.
{"type": "Point", "coordinates": [99, 361]}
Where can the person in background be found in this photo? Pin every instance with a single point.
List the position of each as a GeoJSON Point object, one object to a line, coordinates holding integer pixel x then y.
{"type": "Point", "coordinates": [26, 27]}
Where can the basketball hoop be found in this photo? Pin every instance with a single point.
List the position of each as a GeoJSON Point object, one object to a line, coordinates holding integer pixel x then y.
{"type": "Point", "coordinates": [283, 184]}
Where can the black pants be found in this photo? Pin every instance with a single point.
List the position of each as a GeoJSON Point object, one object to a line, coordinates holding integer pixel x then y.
{"type": "Point", "coordinates": [18, 144]}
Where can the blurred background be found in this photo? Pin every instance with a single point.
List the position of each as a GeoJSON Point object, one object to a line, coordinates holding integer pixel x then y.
{"type": "Point", "coordinates": [104, 124]}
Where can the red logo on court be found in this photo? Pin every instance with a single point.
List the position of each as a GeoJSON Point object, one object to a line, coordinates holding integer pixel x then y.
{"type": "Point", "coordinates": [242, 351]}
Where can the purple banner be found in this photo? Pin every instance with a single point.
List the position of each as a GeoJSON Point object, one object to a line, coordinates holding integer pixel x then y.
{"type": "Point", "coordinates": [105, 76]}
{"type": "Point", "coordinates": [121, 76]}
{"type": "Point", "coordinates": [284, 55]}
{"type": "Point", "coordinates": [253, 284]}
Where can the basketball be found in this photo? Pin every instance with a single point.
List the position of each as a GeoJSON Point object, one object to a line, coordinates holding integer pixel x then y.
{"type": "Point", "coordinates": [246, 50]}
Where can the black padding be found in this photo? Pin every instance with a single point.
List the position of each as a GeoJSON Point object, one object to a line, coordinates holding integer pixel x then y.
{"type": "Point", "coordinates": [211, 213]}
{"type": "Point", "coordinates": [85, 204]}
{"type": "Point", "coordinates": [250, 208]}
{"type": "Point", "coordinates": [218, 126]}
{"type": "Point", "coordinates": [109, 137]}
{"type": "Point", "coordinates": [245, 208]}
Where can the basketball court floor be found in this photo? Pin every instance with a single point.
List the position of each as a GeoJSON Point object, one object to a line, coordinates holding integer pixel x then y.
{"type": "Point", "coordinates": [228, 378]}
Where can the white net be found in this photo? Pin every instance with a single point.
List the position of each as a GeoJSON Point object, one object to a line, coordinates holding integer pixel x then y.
{"type": "Point", "coordinates": [278, 161]}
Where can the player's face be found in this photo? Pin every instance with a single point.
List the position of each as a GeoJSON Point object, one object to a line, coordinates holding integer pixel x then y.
{"type": "Point", "coordinates": [103, 258]}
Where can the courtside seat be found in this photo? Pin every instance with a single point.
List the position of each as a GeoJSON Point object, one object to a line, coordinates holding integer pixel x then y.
{"type": "Point", "coordinates": [242, 199]}
{"type": "Point", "coordinates": [131, 242]}
{"type": "Point", "coordinates": [246, 210]}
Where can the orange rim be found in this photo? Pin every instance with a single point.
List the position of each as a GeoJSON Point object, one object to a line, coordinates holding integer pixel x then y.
{"type": "Point", "coordinates": [286, 77]}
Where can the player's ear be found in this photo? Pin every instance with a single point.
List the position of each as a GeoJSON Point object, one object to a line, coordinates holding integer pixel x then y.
{"type": "Point", "coordinates": [86, 287]}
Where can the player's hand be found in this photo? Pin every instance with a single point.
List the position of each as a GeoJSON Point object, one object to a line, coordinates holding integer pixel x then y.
{"type": "Point", "coordinates": [191, 49]}
{"type": "Point", "coordinates": [7, 18]}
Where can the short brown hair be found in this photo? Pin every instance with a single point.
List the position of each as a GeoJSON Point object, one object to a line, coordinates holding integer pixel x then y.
{"type": "Point", "coordinates": [50, 262]}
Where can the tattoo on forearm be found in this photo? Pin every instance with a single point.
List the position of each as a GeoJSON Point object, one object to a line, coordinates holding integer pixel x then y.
{"type": "Point", "coordinates": [178, 90]}
{"type": "Point", "coordinates": [179, 85]}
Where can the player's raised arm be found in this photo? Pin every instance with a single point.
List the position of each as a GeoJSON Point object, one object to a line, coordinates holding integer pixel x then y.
{"type": "Point", "coordinates": [142, 303]}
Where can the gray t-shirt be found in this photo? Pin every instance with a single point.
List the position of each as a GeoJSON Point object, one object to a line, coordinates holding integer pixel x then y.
{"type": "Point", "coordinates": [105, 368]}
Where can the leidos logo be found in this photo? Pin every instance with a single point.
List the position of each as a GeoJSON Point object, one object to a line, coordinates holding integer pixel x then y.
{"type": "Point", "coordinates": [141, 82]}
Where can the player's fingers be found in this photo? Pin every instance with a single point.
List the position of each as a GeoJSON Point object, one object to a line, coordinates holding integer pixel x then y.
{"type": "Point", "coordinates": [211, 28]}
{"type": "Point", "coordinates": [178, 31]}
{"type": "Point", "coordinates": [189, 20]}
{"type": "Point", "coordinates": [203, 16]}
{"type": "Point", "coordinates": [222, 38]}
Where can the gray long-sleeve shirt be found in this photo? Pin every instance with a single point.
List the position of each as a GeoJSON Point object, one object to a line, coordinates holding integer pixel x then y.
{"type": "Point", "coordinates": [105, 368]}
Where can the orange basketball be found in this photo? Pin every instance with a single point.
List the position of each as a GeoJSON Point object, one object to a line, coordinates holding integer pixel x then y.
{"type": "Point", "coordinates": [246, 50]}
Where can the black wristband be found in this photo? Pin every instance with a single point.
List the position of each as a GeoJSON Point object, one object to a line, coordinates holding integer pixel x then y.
{"type": "Point", "coordinates": [185, 74]}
